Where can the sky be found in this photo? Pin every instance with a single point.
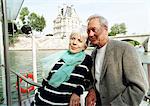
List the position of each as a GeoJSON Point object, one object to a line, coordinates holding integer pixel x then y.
{"type": "Point", "coordinates": [134, 13]}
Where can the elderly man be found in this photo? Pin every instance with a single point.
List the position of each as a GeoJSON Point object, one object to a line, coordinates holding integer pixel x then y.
{"type": "Point", "coordinates": [119, 76]}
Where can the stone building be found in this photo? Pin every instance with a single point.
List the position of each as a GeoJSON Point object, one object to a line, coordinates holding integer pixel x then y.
{"type": "Point", "coordinates": [66, 22]}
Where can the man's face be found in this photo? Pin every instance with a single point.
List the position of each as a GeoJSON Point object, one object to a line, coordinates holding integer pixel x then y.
{"type": "Point", "coordinates": [95, 31]}
{"type": "Point", "coordinates": [77, 43]}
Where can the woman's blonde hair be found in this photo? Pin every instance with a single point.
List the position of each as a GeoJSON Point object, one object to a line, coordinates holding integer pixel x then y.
{"type": "Point", "coordinates": [82, 34]}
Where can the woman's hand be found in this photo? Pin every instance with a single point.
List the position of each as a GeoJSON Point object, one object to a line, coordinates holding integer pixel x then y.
{"type": "Point", "coordinates": [91, 98]}
{"type": "Point", "coordinates": [74, 100]}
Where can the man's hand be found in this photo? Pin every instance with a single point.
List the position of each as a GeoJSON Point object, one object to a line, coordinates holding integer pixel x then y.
{"type": "Point", "coordinates": [91, 98]}
{"type": "Point", "coordinates": [74, 100]}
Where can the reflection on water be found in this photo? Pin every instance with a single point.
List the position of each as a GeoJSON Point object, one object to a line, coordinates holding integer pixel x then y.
{"type": "Point", "coordinates": [22, 60]}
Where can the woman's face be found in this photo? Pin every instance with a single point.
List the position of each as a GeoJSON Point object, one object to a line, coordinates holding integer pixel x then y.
{"type": "Point", "coordinates": [77, 43]}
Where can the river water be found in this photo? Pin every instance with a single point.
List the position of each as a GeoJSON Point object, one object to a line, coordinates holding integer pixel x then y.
{"type": "Point", "coordinates": [21, 61]}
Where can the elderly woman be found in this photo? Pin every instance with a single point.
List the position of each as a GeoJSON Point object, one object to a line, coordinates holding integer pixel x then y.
{"type": "Point", "coordinates": [68, 77]}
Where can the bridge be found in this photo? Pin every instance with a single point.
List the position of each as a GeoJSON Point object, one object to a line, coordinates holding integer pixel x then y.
{"type": "Point", "coordinates": [144, 39]}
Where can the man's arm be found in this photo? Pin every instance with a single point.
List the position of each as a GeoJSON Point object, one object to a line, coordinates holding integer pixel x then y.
{"type": "Point", "coordinates": [135, 77]}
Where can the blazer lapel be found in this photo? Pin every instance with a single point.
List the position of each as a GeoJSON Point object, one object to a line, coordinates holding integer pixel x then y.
{"type": "Point", "coordinates": [106, 58]}
{"type": "Point", "coordinates": [93, 67]}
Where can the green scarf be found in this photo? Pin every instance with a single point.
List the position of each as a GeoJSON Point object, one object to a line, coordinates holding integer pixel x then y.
{"type": "Point", "coordinates": [63, 73]}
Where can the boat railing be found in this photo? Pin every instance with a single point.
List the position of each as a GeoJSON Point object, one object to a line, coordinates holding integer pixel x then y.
{"type": "Point", "coordinates": [27, 80]}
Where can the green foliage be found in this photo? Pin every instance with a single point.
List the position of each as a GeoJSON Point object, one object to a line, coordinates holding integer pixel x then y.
{"type": "Point", "coordinates": [134, 43]}
{"type": "Point", "coordinates": [36, 22]}
{"type": "Point", "coordinates": [118, 29]}
{"type": "Point", "coordinates": [24, 12]}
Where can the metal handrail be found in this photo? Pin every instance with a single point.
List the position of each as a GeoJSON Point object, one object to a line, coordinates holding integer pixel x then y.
{"type": "Point", "coordinates": [26, 79]}
{"type": "Point", "coordinates": [18, 82]}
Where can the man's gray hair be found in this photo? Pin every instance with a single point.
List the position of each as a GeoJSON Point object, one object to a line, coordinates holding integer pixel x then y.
{"type": "Point", "coordinates": [102, 20]}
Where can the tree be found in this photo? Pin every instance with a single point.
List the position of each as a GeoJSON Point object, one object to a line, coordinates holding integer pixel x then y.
{"type": "Point", "coordinates": [118, 29]}
{"type": "Point", "coordinates": [36, 22]}
{"type": "Point", "coordinates": [122, 28]}
{"type": "Point", "coordinates": [24, 12]}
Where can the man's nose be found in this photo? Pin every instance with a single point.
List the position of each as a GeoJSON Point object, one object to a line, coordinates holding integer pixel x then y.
{"type": "Point", "coordinates": [90, 33]}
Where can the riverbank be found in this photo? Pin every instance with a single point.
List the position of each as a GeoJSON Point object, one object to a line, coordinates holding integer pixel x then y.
{"type": "Point", "coordinates": [41, 43]}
